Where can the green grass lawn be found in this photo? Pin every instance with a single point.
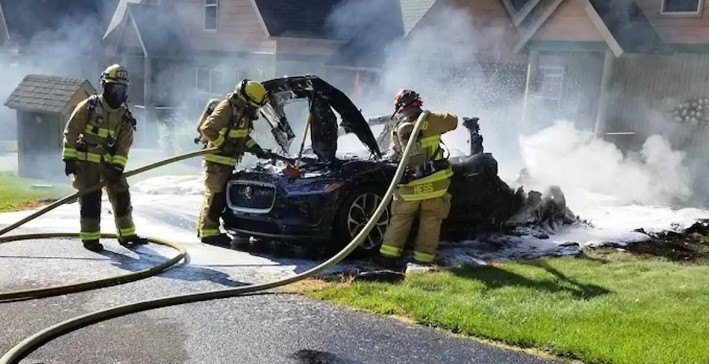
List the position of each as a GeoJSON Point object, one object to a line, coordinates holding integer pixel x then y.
{"type": "Point", "coordinates": [17, 193]}
{"type": "Point", "coordinates": [8, 146]}
{"type": "Point", "coordinates": [601, 308]}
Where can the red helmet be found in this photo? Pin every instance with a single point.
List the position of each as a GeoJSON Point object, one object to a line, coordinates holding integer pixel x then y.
{"type": "Point", "coordinates": [405, 99]}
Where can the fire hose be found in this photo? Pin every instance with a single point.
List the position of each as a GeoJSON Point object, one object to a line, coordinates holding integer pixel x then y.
{"type": "Point", "coordinates": [32, 343]}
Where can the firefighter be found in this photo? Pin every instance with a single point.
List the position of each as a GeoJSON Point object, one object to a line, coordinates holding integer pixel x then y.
{"type": "Point", "coordinates": [227, 128]}
{"type": "Point", "coordinates": [424, 188]}
{"type": "Point", "coordinates": [97, 139]}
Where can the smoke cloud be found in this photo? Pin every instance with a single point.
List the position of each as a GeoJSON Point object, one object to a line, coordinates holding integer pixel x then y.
{"type": "Point", "coordinates": [441, 59]}
{"type": "Point", "coordinates": [577, 160]}
{"type": "Point", "coordinates": [438, 60]}
{"type": "Point", "coordinates": [43, 42]}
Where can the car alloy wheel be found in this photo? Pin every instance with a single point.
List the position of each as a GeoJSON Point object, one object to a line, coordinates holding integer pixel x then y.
{"type": "Point", "coordinates": [360, 212]}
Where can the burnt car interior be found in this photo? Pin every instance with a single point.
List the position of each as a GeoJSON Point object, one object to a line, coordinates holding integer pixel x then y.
{"type": "Point", "coordinates": [322, 98]}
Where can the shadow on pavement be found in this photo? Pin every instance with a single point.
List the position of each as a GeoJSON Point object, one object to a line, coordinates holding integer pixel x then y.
{"type": "Point", "coordinates": [495, 277]}
{"type": "Point", "coordinates": [181, 271]}
{"type": "Point", "coordinates": [309, 356]}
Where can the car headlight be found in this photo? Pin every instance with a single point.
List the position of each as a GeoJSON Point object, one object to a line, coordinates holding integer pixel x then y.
{"type": "Point", "coordinates": [322, 186]}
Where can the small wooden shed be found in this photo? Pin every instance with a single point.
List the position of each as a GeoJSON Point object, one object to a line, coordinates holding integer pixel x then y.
{"type": "Point", "coordinates": [44, 104]}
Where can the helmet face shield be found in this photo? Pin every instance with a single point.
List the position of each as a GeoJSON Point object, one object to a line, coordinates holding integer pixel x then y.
{"type": "Point", "coordinates": [115, 93]}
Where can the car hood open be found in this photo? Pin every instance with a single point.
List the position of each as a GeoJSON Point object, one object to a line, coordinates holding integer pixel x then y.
{"type": "Point", "coordinates": [323, 98]}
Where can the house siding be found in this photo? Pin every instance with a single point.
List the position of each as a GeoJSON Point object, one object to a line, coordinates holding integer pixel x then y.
{"type": "Point", "coordinates": [677, 29]}
{"type": "Point", "coordinates": [495, 34]}
{"type": "Point", "coordinates": [238, 26]}
{"type": "Point", "coordinates": [580, 89]}
{"type": "Point", "coordinates": [648, 88]}
{"type": "Point", "coordinates": [570, 22]}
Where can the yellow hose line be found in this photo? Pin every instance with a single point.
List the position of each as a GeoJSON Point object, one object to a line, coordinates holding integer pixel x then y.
{"type": "Point", "coordinates": [72, 198]}
{"type": "Point", "coordinates": [89, 285]}
{"type": "Point", "coordinates": [30, 344]}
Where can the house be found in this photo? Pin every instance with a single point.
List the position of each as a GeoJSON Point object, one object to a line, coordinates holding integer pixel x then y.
{"type": "Point", "coordinates": [613, 66]}
{"type": "Point", "coordinates": [43, 104]}
{"type": "Point", "coordinates": [195, 50]}
{"type": "Point", "coordinates": [48, 37]}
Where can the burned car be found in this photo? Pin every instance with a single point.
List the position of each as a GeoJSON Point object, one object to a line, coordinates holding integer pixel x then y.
{"type": "Point", "coordinates": [336, 194]}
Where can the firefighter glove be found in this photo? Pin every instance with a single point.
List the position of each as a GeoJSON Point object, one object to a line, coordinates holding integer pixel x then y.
{"type": "Point", "coordinates": [112, 173]}
{"type": "Point", "coordinates": [262, 153]}
{"type": "Point", "coordinates": [228, 148]}
{"type": "Point", "coordinates": [71, 166]}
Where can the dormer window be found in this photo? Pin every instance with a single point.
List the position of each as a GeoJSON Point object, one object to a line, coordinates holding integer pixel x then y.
{"type": "Point", "coordinates": [682, 7]}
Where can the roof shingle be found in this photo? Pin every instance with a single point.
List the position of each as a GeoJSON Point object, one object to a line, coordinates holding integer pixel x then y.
{"type": "Point", "coordinates": [629, 26]}
{"type": "Point", "coordinates": [303, 18]}
{"type": "Point", "coordinates": [42, 93]}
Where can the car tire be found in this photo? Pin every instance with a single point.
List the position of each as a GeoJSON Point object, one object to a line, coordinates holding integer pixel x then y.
{"type": "Point", "coordinates": [353, 214]}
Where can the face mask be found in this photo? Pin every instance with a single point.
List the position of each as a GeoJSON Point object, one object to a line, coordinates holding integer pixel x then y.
{"type": "Point", "coordinates": [115, 93]}
{"type": "Point", "coordinates": [252, 113]}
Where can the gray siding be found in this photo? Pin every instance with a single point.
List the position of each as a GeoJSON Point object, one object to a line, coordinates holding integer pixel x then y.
{"type": "Point", "coordinates": [646, 89]}
{"type": "Point", "coordinates": [580, 88]}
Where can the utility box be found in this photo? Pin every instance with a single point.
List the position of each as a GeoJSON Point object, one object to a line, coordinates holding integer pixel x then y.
{"type": "Point", "coordinates": [43, 105]}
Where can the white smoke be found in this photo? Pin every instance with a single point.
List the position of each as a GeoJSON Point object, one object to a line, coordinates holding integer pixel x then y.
{"type": "Point", "coordinates": [577, 160]}
{"type": "Point", "coordinates": [438, 60]}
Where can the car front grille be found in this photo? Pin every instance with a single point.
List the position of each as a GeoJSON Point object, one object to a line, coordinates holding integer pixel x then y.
{"type": "Point", "coordinates": [253, 197]}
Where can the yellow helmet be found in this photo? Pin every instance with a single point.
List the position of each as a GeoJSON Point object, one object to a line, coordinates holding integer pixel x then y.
{"type": "Point", "coordinates": [252, 92]}
{"type": "Point", "coordinates": [115, 74]}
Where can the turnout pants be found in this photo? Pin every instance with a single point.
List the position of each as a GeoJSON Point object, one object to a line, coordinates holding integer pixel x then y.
{"type": "Point", "coordinates": [432, 213]}
{"type": "Point", "coordinates": [214, 198]}
{"type": "Point", "coordinates": [118, 194]}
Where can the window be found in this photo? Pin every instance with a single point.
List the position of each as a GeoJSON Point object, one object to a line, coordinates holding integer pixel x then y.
{"type": "Point", "coordinates": [209, 84]}
{"type": "Point", "coordinates": [682, 6]}
{"type": "Point", "coordinates": [211, 12]}
{"type": "Point", "coordinates": [551, 80]}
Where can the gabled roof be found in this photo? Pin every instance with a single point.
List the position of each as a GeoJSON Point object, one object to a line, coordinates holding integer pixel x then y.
{"type": "Point", "coordinates": [118, 16]}
{"type": "Point", "coordinates": [520, 9]}
{"type": "Point", "coordinates": [621, 23]}
{"type": "Point", "coordinates": [159, 33]}
{"type": "Point", "coordinates": [624, 26]}
{"type": "Point", "coordinates": [412, 11]}
{"type": "Point", "coordinates": [42, 93]}
{"type": "Point", "coordinates": [27, 19]}
{"type": "Point", "coordinates": [534, 20]}
{"type": "Point", "coordinates": [302, 18]}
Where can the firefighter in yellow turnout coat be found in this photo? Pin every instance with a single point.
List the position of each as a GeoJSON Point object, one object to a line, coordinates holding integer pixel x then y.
{"type": "Point", "coordinates": [424, 188]}
{"type": "Point", "coordinates": [97, 140]}
{"type": "Point", "coordinates": [227, 128]}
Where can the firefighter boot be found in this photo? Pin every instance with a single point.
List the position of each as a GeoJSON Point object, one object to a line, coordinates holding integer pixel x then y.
{"type": "Point", "coordinates": [388, 263]}
{"type": "Point", "coordinates": [222, 240]}
{"type": "Point", "coordinates": [93, 245]}
{"type": "Point", "coordinates": [132, 241]}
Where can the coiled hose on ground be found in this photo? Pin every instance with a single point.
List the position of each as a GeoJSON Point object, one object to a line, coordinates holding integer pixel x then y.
{"type": "Point", "coordinates": [32, 343]}
{"type": "Point", "coordinates": [106, 282]}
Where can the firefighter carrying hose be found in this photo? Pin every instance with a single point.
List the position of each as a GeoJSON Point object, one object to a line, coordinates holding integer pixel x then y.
{"type": "Point", "coordinates": [97, 140]}
{"type": "Point", "coordinates": [227, 127]}
{"type": "Point", "coordinates": [424, 188]}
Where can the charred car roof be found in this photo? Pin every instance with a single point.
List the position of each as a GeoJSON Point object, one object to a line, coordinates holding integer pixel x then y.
{"type": "Point", "coordinates": [322, 98]}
